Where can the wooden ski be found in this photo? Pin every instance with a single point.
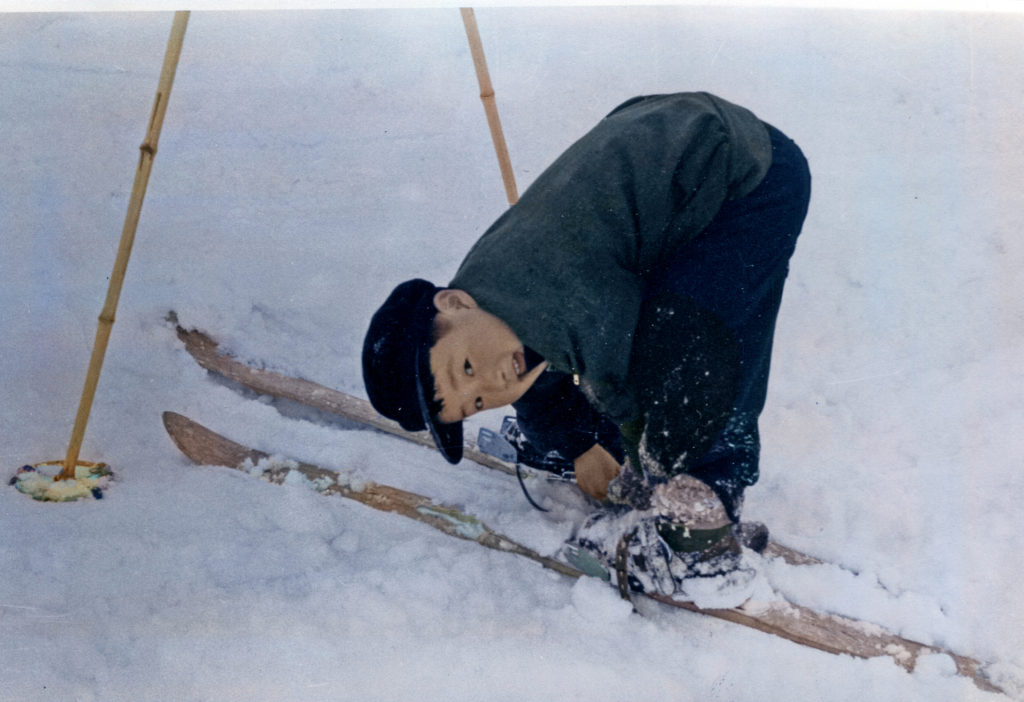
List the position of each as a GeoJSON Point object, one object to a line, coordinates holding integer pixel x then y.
{"type": "Point", "coordinates": [827, 632]}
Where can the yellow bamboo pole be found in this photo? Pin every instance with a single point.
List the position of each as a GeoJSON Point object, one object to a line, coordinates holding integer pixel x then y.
{"type": "Point", "coordinates": [131, 223]}
{"type": "Point", "coordinates": [490, 107]}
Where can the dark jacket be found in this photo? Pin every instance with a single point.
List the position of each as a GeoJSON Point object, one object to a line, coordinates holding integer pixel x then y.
{"type": "Point", "coordinates": [566, 267]}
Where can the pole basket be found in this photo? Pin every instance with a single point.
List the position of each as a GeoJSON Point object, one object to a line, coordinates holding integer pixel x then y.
{"type": "Point", "coordinates": [37, 481]}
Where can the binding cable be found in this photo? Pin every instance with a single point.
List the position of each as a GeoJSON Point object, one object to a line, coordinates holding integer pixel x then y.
{"type": "Point", "coordinates": [519, 475]}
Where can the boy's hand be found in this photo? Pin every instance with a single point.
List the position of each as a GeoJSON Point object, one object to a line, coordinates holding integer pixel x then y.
{"type": "Point", "coordinates": [594, 470]}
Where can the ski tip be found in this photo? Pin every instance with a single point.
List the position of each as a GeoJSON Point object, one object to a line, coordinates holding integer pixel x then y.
{"type": "Point", "coordinates": [178, 427]}
{"type": "Point", "coordinates": [205, 447]}
{"type": "Point", "coordinates": [173, 422]}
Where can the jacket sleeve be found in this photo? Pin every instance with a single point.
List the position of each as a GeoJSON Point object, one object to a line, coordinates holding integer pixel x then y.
{"type": "Point", "coordinates": [554, 415]}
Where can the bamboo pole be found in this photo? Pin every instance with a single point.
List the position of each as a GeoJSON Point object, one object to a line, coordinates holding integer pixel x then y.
{"type": "Point", "coordinates": [490, 107]}
{"type": "Point", "coordinates": [131, 223]}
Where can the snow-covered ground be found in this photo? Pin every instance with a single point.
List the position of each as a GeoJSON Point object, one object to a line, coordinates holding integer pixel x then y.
{"type": "Point", "coordinates": [312, 160]}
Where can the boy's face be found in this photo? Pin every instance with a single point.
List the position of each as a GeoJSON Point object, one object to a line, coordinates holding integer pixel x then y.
{"type": "Point", "coordinates": [478, 363]}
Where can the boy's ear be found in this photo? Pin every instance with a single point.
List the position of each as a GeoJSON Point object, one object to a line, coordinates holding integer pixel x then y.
{"type": "Point", "coordinates": [450, 299]}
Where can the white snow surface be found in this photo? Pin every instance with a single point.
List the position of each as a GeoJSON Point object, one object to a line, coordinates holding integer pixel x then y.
{"type": "Point", "coordinates": [309, 162]}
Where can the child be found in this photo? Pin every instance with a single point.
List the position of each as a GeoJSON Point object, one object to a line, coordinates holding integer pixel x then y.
{"type": "Point", "coordinates": [625, 307]}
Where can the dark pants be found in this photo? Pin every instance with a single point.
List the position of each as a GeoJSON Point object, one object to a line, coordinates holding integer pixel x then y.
{"type": "Point", "coordinates": [735, 270]}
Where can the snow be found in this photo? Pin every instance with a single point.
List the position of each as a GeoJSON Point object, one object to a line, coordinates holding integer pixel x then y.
{"type": "Point", "coordinates": [309, 162]}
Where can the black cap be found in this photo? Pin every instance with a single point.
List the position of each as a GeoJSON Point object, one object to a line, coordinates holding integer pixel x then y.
{"type": "Point", "coordinates": [396, 365]}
